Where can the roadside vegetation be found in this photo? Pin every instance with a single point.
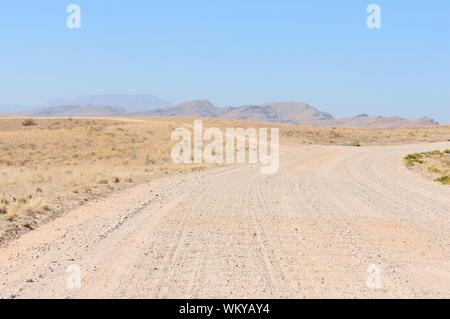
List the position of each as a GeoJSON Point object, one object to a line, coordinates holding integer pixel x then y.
{"type": "Point", "coordinates": [434, 164]}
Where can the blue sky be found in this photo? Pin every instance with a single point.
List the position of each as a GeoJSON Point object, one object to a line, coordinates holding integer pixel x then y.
{"type": "Point", "coordinates": [233, 53]}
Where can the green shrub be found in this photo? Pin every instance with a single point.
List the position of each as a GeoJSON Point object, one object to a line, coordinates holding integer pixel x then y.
{"type": "Point", "coordinates": [414, 158]}
{"type": "Point", "coordinates": [443, 180]}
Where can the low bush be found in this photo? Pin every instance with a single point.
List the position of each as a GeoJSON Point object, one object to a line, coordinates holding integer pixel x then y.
{"type": "Point", "coordinates": [28, 122]}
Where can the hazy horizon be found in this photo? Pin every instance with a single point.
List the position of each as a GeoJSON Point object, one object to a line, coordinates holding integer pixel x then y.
{"type": "Point", "coordinates": [68, 101]}
{"type": "Point", "coordinates": [321, 53]}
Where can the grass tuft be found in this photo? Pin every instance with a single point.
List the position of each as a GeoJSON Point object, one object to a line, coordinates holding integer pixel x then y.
{"type": "Point", "coordinates": [445, 180]}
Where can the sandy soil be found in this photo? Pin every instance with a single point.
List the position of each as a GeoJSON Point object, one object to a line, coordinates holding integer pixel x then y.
{"type": "Point", "coordinates": [311, 230]}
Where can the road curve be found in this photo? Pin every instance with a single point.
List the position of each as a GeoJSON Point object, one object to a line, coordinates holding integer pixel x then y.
{"type": "Point", "coordinates": [317, 228]}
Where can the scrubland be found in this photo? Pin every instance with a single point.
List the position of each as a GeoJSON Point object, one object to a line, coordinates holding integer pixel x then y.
{"type": "Point", "coordinates": [56, 164]}
{"type": "Point", "coordinates": [50, 165]}
{"type": "Point", "coordinates": [335, 136]}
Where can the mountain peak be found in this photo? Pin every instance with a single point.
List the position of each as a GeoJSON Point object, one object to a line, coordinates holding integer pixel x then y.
{"type": "Point", "coordinates": [197, 103]}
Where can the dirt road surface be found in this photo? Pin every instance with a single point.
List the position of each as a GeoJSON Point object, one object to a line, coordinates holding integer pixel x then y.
{"type": "Point", "coordinates": [320, 227]}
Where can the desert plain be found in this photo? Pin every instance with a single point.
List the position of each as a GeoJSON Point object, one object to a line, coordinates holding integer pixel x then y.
{"type": "Point", "coordinates": [105, 195]}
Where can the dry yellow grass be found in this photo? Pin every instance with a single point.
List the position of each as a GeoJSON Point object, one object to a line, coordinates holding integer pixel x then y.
{"type": "Point", "coordinates": [57, 163]}
{"type": "Point", "coordinates": [330, 135]}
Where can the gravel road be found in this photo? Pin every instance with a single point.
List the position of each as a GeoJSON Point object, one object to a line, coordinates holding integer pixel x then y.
{"type": "Point", "coordinates": [317, 228]}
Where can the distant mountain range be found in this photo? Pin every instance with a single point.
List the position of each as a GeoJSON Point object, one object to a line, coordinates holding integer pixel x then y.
{"type": "Point", "coordinates": [129, 102]}
{"type": "Point", "coordinates": [379, 122]}
{"type": "Point", "coordinates": [284, 112]}
{"type": "Point", "coordinates": [277, 112]}
{"type": "Point", "coordinates": [74, 110]}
